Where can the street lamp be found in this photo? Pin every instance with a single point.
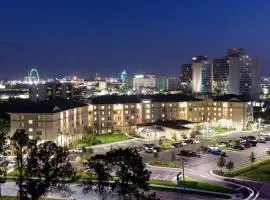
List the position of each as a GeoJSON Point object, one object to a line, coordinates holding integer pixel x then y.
{"type": "Point", "coordinates": [259, 120]}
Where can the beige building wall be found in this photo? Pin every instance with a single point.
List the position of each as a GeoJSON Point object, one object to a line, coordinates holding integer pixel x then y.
{"type": "Point", "coordinates": [110, 117]}
{"type": "Point", "coordinates": [71, 123]}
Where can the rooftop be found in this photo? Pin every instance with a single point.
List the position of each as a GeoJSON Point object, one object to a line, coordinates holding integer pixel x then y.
{"type": "Point", "coordinates": [115, 99]}
{"type": "Point", "coordinates": [52, 106]}
{"type": "Point", "coordinates": [231, 98]}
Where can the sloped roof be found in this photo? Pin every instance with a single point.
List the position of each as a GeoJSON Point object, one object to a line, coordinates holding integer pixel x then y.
{"type": "Point", "coordinates": [231, 98]}
{"type": "Point", "coordinates": [52, 106]}
{"type": "Point", "coordinates": [115, 99]}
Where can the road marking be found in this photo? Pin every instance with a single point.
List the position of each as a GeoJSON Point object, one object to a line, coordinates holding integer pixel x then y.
{"type": "Point", "coordinates": [165, 179]}
{"type": "Point", "coordinates": [239, 188]}
{"type": "Point", "coordinates": [156, 177]}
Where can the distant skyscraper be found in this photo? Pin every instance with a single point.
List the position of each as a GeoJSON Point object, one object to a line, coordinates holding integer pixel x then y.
{"type": "Point", "coordinates": [238, 73]}
{"type": "Point", "coordinates": [186, 74]}
{"type": "Point", "coordinates": [202, 75]}
{"type": "Point", "coordinates": [124, 76]}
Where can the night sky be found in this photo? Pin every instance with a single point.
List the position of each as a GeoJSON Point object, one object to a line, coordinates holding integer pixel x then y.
{"type": "Point", "coordinates": [142, 36]}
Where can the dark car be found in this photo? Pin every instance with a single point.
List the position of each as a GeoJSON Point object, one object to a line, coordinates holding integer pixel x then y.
{"type": "Point", "coordinates": [177, 145]}
{"type": "Point", "coordinates": [238, 147]}
{"type": "Point", "coordinates": [252, 143]}
{"type": "Point", "coordinates": [261, 140]}
{"type": "Point", "coordinates": [246, 144]}
{"type": "Point", "coordinates": [251, 137]}
{"type": "Point", "coordinates": [205, 149]}
{"type": "Point", "coordinates": [189, 141]}
{"type": "Point", "coordinates": [187, 153]}
{"type": "Point", "coordinates": [218, 152]}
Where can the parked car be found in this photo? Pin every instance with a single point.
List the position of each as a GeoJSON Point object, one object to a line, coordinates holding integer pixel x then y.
{"type": "Point", "coordinates": [261, 140]}
{"type": "Point", "coordinates": [252, 143]}
{"type": "Point", "coordinates": [218, 152]}
{"type": "Point", "coordinates": [183, 143]}
{"type": "Point", "coordinates": [238, 147]}
{"type": "Point", "coordinates": [246, 144]}
{"type": "Point", "coordinates": [187, 153]}
{"type": "Point", "coordinates": [223, 144]}
{"type": "Point", "coordinates": [205, 149]}
{"type": "Point", "coordinates": [195, 141]}
{"type": "Point", "coordinates": [212, 147]}
{"type": "Point", "coordinates": [268, 151]}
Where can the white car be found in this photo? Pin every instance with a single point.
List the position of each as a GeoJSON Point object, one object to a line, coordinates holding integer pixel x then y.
{"type": "Point", "coordinates": [11, 165]}
{"type": "Point", "coordinates": [264, 134]}
{"type": "Point", "coordinates": [212, 147]}
{"type": "Point", "coordinates": [196, 141]}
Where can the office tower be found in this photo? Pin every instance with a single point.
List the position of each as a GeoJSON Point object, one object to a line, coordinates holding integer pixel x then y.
{"type": "Point", "coordinates": [141, 82]}
{"type": "Point", "coordinates": [186, 74]}
{"type": "Point", "coordinates": [237, 73]}
{"type": "Point", "coordinates": [202, 75]}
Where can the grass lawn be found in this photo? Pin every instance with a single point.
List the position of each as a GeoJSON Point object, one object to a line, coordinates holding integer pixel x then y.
{"type": "Point", "coordinates": [260, 173]}
{"type": "Point", "coordinates": [165, 164]}
{"type": "Point", "coordinates": [219, 130]}
{"type": "Point", "coordinates": [193, 184]}
{"type": "Point", "coordinates": [105, 139]}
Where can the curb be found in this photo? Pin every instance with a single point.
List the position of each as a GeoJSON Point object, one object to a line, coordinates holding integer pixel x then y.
{"type": "Point", "coordinates": [252, 191]}
{"type": "Point", "coordinates": [190, 189]}
{"type": "Point", "coordinates": [152, 166]}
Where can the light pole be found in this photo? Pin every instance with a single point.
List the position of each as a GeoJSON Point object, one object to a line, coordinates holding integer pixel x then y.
{"type": "Point", "coordinates": [259, 120]}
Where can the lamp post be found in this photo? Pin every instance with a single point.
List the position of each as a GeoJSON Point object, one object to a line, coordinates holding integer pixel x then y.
{"type": "Point", "coordinates": [259, 120]}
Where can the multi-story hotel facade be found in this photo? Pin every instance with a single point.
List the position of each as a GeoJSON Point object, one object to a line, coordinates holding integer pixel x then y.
{"type": "Point", "coordinates": [110, 113]}
{"type": "Point", "coordinates": [61, 121]}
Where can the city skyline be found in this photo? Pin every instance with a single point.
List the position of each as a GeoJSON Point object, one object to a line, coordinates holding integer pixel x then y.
{"type": "Point", "coordinates": [84, 38]}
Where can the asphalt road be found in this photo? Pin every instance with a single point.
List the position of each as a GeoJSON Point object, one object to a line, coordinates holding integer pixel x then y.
{"type": "Point", "coordinates": [10, 189]}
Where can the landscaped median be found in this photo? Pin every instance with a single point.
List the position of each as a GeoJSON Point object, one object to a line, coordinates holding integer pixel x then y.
{"type": "Point", "coordinates": [254, 171]}
{"type": "Point", "coordinates": [165, 164]}
{"type": "Point", "coordinates": [100, 139]}
{"type": "Point", "coordinates": [191, 186]}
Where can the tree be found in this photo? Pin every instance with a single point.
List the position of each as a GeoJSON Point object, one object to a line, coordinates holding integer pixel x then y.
{"type": "Point", "coordinates": [47, 165]}
{"type": "Point", "coordinates": [230, 166]}
{"type": "Point", "coordinates": [99, 172]}
{"type": "Point", "coordinates": [173, 158]}
{"type": "Point", "coordinates": [4, 129]}
{"type": "Point", "coordinates": [160, 141]}
{"type": "Point", "coordinates": [221, 163]}
{"type": "Point", "coordinates": [252, 157]}
{"type": "Point", "coordinates": [127, 166]}
{"type": "Point", "coordinates": [20, 141]}
{"type": "Point", "coordinates": [156, 155]}
{"type": "Point", "coordinates": [174, 137]}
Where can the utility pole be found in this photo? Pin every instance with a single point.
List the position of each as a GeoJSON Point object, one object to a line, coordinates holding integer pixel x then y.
{"type": "Point", "coordinates": [183, 172]}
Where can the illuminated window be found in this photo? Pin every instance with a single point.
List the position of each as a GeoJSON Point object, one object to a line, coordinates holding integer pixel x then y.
{"type": "Point", "coordinates": [170, 105]}
{"type": "Point", "coordinates": [215, 108]}
{"type": "Point", "coordinates": [219, 114]}
{"type": "Point", "coordinates": [147, 111]}
{"type": "Point", "coordinates": [231, 115]}
{"type": "Point", "coordinates": [126, 112]}
{"type": "Point", "coordinates": [22, 117]}
{"type": "Point", "coordinates": [215, 104]}
{"type": "Point", "coordinates": [102, 113]}
{"type": "Point", "coordinates": [163, 115]}
{"type": "Point", "coordinates": [132, 106]}
{"type": "Point", "coordinates": [215, 114]}
{"type": "Point", "coordinates": [126, 106]}
{"type": "Point", "coordinates": [132, 117]}
{"type": "Point", "coordinates": [195, 108]}
{"type": "Point", "coordinates": [39, 117]}
{"type": "Point", "coordinates": [147, 116]}
{"type": "Point", "coordinates": [219, 109]}
{"type": "Point", "coordinates": [102, 118]}
{"type": "Point", "coordinates": [30, 130]}
{"type": "Point", "coordinates": [102, 124]}
{"type": "Point", "coordinates": [30, 121]}
{"type": "Point", "coordinates": [95, 119]}
{"type": "Point", "coordinates": [109, 112]}
{"type": "Point", "coordinates": [230, 109]}
{"type": "Point", "coordinates": [163, 105]}
{"type": "Point", "coordinates": [22, 124]}
{"type": "Point", "coordinates": [95, 107]}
